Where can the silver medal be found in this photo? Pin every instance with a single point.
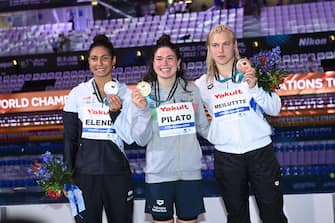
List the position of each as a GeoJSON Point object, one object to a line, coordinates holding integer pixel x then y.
{"type": "Point", "coordinates": [111, 88]}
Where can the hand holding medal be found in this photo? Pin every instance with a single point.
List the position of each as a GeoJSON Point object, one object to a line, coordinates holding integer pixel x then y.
{"type": "Point", "coordinates": [111, 89]}
{"type": "Point", "coordinates": [243, 65]}
{"type": "Point", "coordinates": [248, 72]}
{"type": "Point", "coordinates": [143, 90]}
{"type": "Point", "coordinates": [240, 68]}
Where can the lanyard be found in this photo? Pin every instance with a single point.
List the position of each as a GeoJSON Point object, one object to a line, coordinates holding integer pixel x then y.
{"type": "Point", "coordinates": [96, 91]}
{"type": "Point", "coordinates": [236, 76]}
{"type": "Point", "coordinates": [156, 98]}
{"type": "Point", "coordinates": [217, 78]}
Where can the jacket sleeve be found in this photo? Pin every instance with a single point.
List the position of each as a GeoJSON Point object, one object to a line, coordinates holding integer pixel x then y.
{"type": "Point", "coordinates": [271, 104]}
{"type": "Point", "coordinates": [203, 91]}
{"type": "Point", "coordinates": [201, 121]}
{"type": "Point", "coordinates": [122, 122]}
{"type": "Point", "coordinates": [71, 137]}
{"type": "Point", "coordinates": [141, 126]}
{"type": "Point", "coordinates": [114, 115]}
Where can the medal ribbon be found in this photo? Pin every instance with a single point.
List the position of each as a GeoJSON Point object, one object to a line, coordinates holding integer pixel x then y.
{"type": "Point", "coordinates": [76, 199]}
{"type": "Point", "coordinates": [153, 101]}
{"type": "Point", "coordinates": [236, 76]}
{"type": "Point", "coordinates": [224, 80]}
{"type": "Point", "coordinates": [156, 98]}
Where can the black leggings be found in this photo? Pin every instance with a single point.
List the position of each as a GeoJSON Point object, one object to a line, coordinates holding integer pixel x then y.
{"type": "Point", "coordinates": [113, 192]}
{"type": "Point", "coordinates": [259, 169]}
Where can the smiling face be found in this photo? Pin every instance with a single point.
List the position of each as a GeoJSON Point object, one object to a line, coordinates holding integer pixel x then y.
{"type": "Point", "coordinates": [101, 62]}
{"type": "Point", "coordinates": [165, 63]}
{"type": "Point", "coordinates": [222, 48]}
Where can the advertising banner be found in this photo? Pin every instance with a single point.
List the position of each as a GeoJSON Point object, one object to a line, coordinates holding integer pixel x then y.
{"type": "Point", "coordinates": [294, 84]}
{"type": "Point", "coordinates": [32, 101]}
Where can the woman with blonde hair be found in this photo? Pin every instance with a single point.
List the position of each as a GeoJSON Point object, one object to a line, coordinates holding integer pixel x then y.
{"type": "Point", "coordinates": [241, 135]}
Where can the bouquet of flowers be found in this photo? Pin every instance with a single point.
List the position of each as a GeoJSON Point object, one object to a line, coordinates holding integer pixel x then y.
{"type": "Point", "coordinates": [268, 76]}
{"type": "Point", "coordinates": [51, 174]}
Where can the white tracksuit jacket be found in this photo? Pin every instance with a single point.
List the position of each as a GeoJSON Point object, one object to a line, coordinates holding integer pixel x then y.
{"type": "Point", "coordinates": [238, 125]}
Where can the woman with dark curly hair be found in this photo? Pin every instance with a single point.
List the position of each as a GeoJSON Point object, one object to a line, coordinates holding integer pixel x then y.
{"type": "Point", "coordinates": [172, 115]}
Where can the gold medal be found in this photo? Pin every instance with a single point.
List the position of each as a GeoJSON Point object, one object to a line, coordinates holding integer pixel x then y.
{"type": "Point", "coordinates": [111, 87]}
{"type": "Point", "coordinates": [144, 88]}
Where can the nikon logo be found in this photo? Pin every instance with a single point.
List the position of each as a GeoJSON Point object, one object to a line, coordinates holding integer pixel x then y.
{"type": "Point", "coordinates": [312, 42]}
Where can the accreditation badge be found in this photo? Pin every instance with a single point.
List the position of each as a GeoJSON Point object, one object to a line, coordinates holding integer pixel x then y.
{"type": "Point", "coordinates": [97, 124]}
{"type": "Point", "coordinates": [230, 104]}
{"type": "Point", "coordinates": [176, 119]}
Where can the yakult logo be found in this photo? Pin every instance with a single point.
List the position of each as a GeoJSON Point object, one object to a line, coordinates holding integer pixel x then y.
{"type": "Point", "coordinates": [97, 112]}
{"type": "Point", "coordinates": [174, 107]}
{"type": "Point", "coordinates": [228, 93]}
